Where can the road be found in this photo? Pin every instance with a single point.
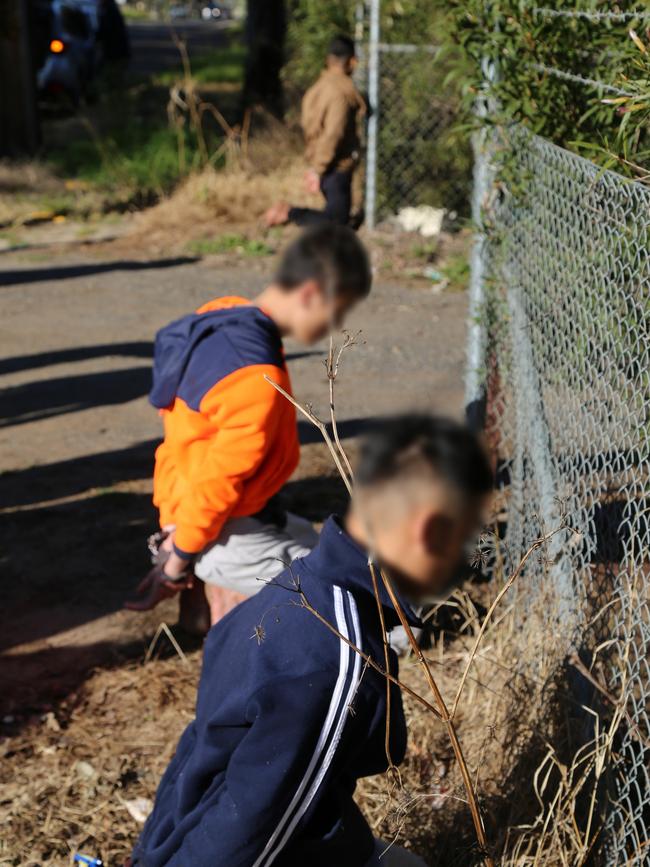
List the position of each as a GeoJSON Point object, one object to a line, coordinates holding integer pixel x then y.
{"type": "Point", "coordinates": [77, 434]}
{"type": "Point", "coordinates": [153, 47]}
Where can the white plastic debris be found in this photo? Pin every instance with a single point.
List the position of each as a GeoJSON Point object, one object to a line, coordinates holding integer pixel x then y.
{"type": "Point", "coordinates": [423, 219]}
{"type": "Point", "coordinates": [139, 809]}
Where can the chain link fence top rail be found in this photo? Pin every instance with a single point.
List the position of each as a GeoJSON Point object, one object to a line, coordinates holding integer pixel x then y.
{"type": "Point", "coordinates": [566, 348]}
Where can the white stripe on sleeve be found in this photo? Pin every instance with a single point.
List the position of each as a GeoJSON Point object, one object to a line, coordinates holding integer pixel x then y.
{"type": "Point", "coordinates": [336, 716]}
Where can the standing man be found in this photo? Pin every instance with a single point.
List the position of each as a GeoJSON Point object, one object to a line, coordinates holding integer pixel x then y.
{"type": "Point", "coordinates": [331, 110]}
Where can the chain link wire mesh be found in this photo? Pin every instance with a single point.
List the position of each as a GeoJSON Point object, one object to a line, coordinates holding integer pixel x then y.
{"type": "Point", "coordinates": [565, 347]}
{"type": "Point", "coordinates": [417, 162]}
{"type": "Point", "coordinates": [420, 159]}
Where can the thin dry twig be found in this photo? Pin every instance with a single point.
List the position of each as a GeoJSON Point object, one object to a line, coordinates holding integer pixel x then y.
{"type": "Point", "coordinates": [618, 704]}
{"type": "Point", "coordinates": [511, 580]}
{"type": "Point", "coordinates": [472, 798]}
{"type": "Point", "coordinates": [332, 367]}
{"type": "Point", "coordinates": [384, 638]}
{"type": "Point", "coordinates": [164, 629]}
{"type": "Point", "coordinates": [313, 418]}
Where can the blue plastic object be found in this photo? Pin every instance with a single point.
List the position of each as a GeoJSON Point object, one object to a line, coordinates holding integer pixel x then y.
{"type": "Point", "coordinates": [86, 859]}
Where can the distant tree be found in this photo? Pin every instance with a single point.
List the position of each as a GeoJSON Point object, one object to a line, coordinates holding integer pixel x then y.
{"type": "Point", "coordinates": [19, 133]}
{"type": "Point", "coordinates": [265, 34]}
{"type": "Point", "coordinates": [312, 23]}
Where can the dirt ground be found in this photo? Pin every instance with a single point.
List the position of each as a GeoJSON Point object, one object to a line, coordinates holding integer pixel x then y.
{"type": "Point", "coordinates": [77, 437]}
{"type": "Point", "coordinates": [88, 719]}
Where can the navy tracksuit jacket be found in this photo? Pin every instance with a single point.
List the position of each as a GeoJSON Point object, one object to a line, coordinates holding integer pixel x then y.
{"type": "Point", "coordinates": [287, 720]}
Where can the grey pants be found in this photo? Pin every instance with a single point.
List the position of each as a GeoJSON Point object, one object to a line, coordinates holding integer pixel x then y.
{"type": "Point", "coordinates": [249, 553]}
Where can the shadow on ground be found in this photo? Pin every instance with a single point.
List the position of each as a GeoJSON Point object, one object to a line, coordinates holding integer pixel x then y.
{"type": "Point", "coordinates": [53, 397]}
{"type": "Point", "coordinates": [137, 349]}
{"type": "Point", "coordinates": [77, 562]}
{"type": "Point", "coordinates": [22, 276]}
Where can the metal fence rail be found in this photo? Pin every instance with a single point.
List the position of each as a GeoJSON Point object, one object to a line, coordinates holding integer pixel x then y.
{"type": "Point", "coordinates": [562, 353]}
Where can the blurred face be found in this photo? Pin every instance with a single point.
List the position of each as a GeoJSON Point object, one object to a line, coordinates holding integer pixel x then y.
{"type": "Point", "coordinates": [313, 315]}
{"type": "Point", "coordinates": [425, 544]}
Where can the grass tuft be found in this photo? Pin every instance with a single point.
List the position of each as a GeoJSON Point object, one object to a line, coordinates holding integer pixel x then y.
{"type": "Point", "coordinates": [229, 243]}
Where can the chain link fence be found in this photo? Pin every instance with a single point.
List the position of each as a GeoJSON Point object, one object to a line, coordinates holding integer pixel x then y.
{"type": "Point", "coordinates": [415, 155]}
{"type": "Point", "coordinates": [419, 159]}
{"type": "Point", "coordinates": [559, 357]}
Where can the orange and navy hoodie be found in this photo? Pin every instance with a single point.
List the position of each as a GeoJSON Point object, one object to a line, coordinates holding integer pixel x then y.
{"type": "Point", "coordinates": [230, 438]}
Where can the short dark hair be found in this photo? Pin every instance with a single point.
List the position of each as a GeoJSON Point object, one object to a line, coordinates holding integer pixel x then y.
{"type": "Point", "coordinates": [402, 445]}
{"type": "Point", "coordinates": [330, 254]}
{"type": "Point", "coordinates": [342, 47]}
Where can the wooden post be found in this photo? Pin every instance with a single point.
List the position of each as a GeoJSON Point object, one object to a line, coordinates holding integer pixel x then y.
{"type": "Point", "coordinates": [19, 133]}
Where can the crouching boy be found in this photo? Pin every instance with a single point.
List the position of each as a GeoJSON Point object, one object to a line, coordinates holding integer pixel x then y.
{"type": "Point", "coordinates": [230, 439]}
{"type": "Point", "coordinates": [288, 717]}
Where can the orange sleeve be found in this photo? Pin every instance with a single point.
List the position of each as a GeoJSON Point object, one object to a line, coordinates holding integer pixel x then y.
{"type": "Point", "coordinates": [244, 409]}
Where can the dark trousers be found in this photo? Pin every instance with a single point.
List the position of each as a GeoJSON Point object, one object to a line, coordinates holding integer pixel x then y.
{"type": "Point", "coordinates": [337, 189]}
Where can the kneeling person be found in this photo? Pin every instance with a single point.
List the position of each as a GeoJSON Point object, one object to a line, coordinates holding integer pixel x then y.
{"type": "Point", "coordinates": [288, 717]}
{"type": "Point", "coordinates": [230, 438]}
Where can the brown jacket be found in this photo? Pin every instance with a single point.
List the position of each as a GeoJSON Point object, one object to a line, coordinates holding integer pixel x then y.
{"type": "Point", "coordinates": [330, 112]}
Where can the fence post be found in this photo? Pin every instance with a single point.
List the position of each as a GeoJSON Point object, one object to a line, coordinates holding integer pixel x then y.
{"type": "Point", "coordinates": [477, 332]}
{"type": "Point", "coordinates": [373, 121]}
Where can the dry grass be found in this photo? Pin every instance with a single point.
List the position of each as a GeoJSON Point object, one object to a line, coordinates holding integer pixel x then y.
{"type": "Point", "coordinates": [22, 177]}
{"type": "Point", "coordinates": [23, 185]}
{"type": "Point", "coordinates": [539, 791]}
{"type": "Point", "coordinates": [66, 778]}
{"type": "Point", "coordinates": [262, 169]}
{"type": "Point", "coordinates": [69, 778]}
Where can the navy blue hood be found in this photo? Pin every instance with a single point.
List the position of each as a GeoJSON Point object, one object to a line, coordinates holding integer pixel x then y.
{"type": "Point", "coordinates": [253, 336]}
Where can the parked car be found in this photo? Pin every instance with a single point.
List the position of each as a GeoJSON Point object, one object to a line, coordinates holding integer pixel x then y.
{"type": "Point", "coordinates": [83, 34]}
{"type": "Point", "coordinates": [72, 56]}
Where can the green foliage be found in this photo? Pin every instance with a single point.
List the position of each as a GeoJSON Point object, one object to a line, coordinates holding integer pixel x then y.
{"type": "Point", "coordinates": [134, 13]}
{"type": "Point", "coordinates": [137, 156]}
{"type": "Point", "coordinates": [423, 22]}
{"type": "Point", "coordinates": [521, 43]}
{"type": "Point", "coordinates": [456, 272]}
{"type": "Point", "coordinates": [424, 157]}
{"type": "Point", "coordinates": [630, 152]}
{"type": "Point", "coordinates": [312, 24]}
{"type": "Point", "coordinates": [223, 66]}
{"type": "Point", "coordinates": [125, 147]}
